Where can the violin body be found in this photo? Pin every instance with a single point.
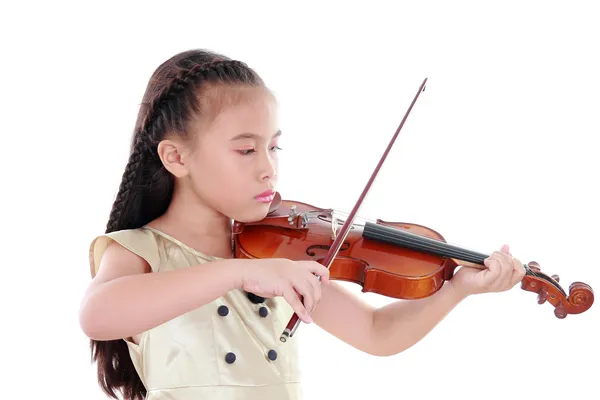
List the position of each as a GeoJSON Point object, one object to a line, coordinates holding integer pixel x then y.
{"type": "Point", "coordinates": [377, 267]}
{"type": "Point", "coordinates": [393, 259]}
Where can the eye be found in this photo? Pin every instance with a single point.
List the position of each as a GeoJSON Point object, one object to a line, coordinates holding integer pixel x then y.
{"type": "Point", "coordinates": [247, 152]}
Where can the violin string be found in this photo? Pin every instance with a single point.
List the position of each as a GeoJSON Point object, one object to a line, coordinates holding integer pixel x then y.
{"type": "Point", "coordinates": [427, 244]}
{"type": "Point", "coordinates": [528, 271]}
{"type": "Point", "coordinates": [416, 245]}
{"type": "Point", "coordinates": [415, 241]}
{"type": "Point", "coordinates": [430, 245]}
{"type": "Point", "coordinates": [418, 242]}
{"type": "Point", "coordinates": [423, 243]}
{"type": "Point", "coordinates": [437, 244]}
{"type": "Point", "coordinates": [432, 250]}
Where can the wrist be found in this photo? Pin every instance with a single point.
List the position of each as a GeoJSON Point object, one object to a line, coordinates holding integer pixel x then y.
{"type": "Point", "coordinates": [230, 268]}
{"type": "Point", "coordinates": [458, 293]}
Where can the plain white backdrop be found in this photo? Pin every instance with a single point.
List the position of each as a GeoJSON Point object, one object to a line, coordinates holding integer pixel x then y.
{"type": "Point", "coordinates": [502, 147]}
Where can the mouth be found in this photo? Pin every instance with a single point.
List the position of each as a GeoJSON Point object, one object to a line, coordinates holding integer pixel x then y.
{"type": "Point", "coordinates": [266, 197]}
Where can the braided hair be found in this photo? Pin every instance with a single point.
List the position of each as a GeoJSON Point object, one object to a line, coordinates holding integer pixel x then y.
{"type": "Point", "coordinates": [177, 92]}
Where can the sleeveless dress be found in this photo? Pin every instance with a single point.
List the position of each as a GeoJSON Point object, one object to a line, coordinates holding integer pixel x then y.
{"type": "Point", "coordinates": [226, 349]}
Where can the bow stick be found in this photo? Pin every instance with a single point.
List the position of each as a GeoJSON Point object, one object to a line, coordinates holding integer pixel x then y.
{"type": "Point", "coordinates": [294, 321]}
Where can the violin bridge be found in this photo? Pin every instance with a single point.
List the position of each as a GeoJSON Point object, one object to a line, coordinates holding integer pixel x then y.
{"type": "Point", "coordinates": [293, 214]}
{"type": "Point", "coordinates": [334, 224]}
{"type": "Point", "coordinates": [298, 219]}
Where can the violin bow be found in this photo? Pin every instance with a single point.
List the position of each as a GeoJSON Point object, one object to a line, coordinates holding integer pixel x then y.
{"type": "Point", "coordinates": [294, 321]}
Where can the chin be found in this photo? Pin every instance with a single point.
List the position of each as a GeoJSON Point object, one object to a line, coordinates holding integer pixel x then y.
{"type": "Point", "coordinates": [253, 214]}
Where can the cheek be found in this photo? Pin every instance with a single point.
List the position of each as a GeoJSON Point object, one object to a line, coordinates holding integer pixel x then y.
{"type": "Point", "coordinates": [214, 171]}
{"type": "Point", "coordinates": [275, 161]}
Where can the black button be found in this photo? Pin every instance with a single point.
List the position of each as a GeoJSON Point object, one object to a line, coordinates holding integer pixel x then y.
{"type": "Point", "coordinates": [230, 358]}
{"type": "Point", "coordinates": [263, 312]}
{"type": "Point", "coordinates": [272, 355]}
{"type": "Point", "coordinates": [255, 299]}
{"type": "Point", "coordinates": [223, 311]}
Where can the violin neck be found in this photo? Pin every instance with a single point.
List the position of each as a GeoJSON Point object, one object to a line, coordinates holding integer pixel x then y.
{"type": "Point", "coordinates": [402, 238]}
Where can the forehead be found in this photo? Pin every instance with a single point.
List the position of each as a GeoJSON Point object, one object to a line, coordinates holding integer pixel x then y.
{"type": "Point", "coordinates": [248, 110]}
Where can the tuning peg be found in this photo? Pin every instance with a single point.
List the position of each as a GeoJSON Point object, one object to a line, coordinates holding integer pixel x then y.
{"type": "Point", "coordinates": [542, 296]}
{"type": "Point", "coordinates": [560, 312]}
{"type": "Point", "coordinates": [534, 265]}
{"type": "Point", "coordinates": [555, 277]}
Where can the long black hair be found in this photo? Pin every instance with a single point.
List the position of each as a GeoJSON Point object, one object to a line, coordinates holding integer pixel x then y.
{"type": "Point", "coordinates": [175, 94]}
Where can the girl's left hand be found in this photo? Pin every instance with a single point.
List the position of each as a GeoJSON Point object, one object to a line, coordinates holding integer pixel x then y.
{"type": "Point", "coordinates": [502, 273]}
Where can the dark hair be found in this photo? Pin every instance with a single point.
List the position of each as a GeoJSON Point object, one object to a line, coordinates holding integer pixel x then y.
{"type": "Point", "coordinates": [178, 91]}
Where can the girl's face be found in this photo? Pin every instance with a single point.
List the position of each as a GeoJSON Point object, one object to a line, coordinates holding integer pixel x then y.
{"type": "Point", "coordinates": [235, 159]}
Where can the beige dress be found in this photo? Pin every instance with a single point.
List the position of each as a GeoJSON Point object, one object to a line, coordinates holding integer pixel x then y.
{"type": "Point", "coordinates": [226, 349]}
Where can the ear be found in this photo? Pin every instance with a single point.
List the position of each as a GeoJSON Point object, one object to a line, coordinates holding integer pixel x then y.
{"type": "Point", "coordinates": [173, 156]}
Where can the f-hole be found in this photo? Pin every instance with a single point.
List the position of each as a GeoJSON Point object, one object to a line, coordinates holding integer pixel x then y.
{"type": "Point", "coordinates": [326, 247]}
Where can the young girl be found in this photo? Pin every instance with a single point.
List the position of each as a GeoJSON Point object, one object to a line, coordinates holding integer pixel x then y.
{"type": "Point", "coordinates": [171, 314]}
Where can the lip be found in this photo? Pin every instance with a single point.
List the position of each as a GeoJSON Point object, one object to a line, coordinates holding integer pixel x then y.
{"type": "Point", "coordinates": [266, 193]}
{"type": "Point", "coordinates": [266, 197]}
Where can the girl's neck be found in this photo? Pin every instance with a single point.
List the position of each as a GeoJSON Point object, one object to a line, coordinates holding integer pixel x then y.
{"type": "Point", "coordinates": [196, 225]}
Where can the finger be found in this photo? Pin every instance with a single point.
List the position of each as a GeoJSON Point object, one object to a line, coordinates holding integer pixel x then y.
{"type": "Point", "coordinates": [507, 275]}
{"type": "Point", "coordinates": [319, 270]}
{"type": "Point", "coordinates": [515, 272]}
{"type": "Point", "coordinates": [506, 267]}
{"type": "Point", "coordinates": [305, 289]}
{"type": "Point", "coordinates": [505, 249]}
{"type": "Point", "coordinates": [503, 256]}
{"type": "Point", "coordinates": [293, 300]}
{"type": "Point", "coordinates": [518, 272]}
{"type": "Point", "coordinates": [316, 291]}
{"type": "Point", "coordinates": [490, 277]}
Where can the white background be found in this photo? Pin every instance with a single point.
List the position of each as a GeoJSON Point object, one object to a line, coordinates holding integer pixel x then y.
{"type": "Point", "coordinates": [501, 148]}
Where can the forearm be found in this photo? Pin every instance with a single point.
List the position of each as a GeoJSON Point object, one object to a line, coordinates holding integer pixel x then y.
{"type": "Point", "coordinates": [132, 304]}
{"type": "Point", "coordinates": [400, 325]}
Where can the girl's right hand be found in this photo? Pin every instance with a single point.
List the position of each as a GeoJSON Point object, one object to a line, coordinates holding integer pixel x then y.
{"type": "Point", "coordinates": [289, 279]}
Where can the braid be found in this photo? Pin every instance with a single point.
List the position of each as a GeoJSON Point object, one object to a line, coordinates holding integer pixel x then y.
{"type": "Point", "coordinates": [146, 188]}
{"type": "Point", "coordinates": [132, 172]}
{"type": "Point", "coordinates": [225, 71]}
{"type": "Point", "coordinates": [175, 96]}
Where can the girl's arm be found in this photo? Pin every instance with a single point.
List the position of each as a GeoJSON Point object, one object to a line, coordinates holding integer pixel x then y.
{"type": "Point", "coordinates": [396, 327]}
{"type": "Point", "coordinates": [125, 299]}
{"type": "Point", "coordinates": [381, 331]}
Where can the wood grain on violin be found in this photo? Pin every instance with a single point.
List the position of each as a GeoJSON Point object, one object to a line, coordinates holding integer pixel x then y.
{"type": "Point", "coordinates": [393, 259]}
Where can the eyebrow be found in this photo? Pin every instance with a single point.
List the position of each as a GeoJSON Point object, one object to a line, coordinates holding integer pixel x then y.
{"type": "Point", "coordinates": [250, 135]}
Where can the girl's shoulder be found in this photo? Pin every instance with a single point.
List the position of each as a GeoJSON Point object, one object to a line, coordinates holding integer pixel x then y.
{"type": "Point", "coordinates": [141, 242]}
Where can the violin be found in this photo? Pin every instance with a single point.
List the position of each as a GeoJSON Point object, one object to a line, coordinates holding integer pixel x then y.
{"type": "Point", "coordinates": [394, 259]}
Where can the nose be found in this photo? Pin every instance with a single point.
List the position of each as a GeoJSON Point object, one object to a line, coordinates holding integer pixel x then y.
{"type": "Point", "coordinates": [268, 166]}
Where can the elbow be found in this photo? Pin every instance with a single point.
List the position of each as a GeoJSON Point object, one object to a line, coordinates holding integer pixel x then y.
{"type": "Point", "coordinates": [386, 348]}
{"type": "Point", "coordinates": [377, 346]}
{"type": "Point", "coordinates": [383, 354]}
{"type": "Point", "coordinates": [88, 323]}
{"type": "Point", "coordinates": [385, 351]}
{"type": "Point", "coordinates": [384, 342]}
{"type": "Point", "coordinates": [89, 327]}
{"type": "Point", "coordinates": [377, 349]}
{"type": "Point", "coordinates": [91, 320]}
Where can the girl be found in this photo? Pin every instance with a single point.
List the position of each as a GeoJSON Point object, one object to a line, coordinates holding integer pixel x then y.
{"type": "Point", "coordinates": [170, 313]}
